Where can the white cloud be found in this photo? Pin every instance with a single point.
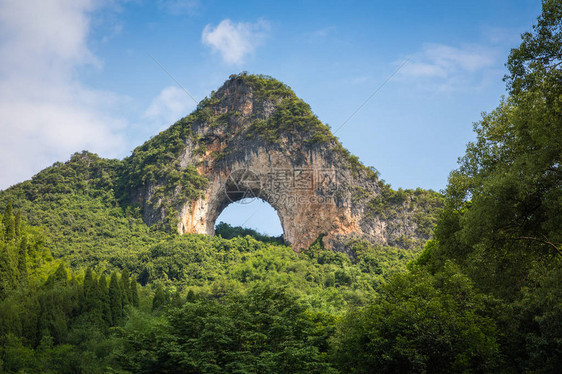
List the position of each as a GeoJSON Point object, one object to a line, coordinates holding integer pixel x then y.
{"type": "Point", "coordinates": [46, 113]}
{"type": "Point", "coordinates": [170, 105]}
{"type": "Point", "coordinates": [424, 69]}
{"type": "Point", "coordinates": [508, 37]}
{"type": "Point", "coordinates": [234, 41]}
{"type": "Point", "coordinates": [451, 67]}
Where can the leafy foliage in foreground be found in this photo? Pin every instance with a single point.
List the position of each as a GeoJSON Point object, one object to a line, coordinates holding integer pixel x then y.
{"type": "Point", "coordinates": [421, 323]}
{"type": "Point", "coordinates": [214, 305]}
{"type": "Point", "coordinates": [265, 329]}
{"type": "Point", "coordinates": [502, 219]}
{"type": "Point", "coordinates": [209, 305]}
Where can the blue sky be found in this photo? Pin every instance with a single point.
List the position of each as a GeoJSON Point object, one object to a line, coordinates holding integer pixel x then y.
{"type": "Point", "coordinates": [79, 75]}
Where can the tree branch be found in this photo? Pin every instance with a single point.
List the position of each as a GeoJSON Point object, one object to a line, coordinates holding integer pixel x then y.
{"type": "Point", "coordinates": [544, 241]}
{"type": "Point", "coordinates": [555, 66]}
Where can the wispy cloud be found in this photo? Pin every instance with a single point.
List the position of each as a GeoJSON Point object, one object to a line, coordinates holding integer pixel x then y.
{"type": "Point", "coordinates": [323, 32]}
{"type": "Point", "coordinates": [46, 112]}
{"type": "Point", "coordinates": [502, 35]}
{"type": "Point", "coordinates": [171, 104]}
{"type": "Point", "coordinates": [451, 67]}
{"type": "Point", "coordinates": [234, 41]}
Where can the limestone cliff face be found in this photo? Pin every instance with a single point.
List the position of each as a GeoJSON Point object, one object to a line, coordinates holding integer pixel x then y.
{"type": "Point", "coordinates": [254, 138]}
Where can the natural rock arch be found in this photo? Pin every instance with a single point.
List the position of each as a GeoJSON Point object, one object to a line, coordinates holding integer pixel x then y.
{"type": "Point", "coordinates": [255, 126]}
{"type": "Point", "coordinates": [305, 211]}
{"type": "Point", "coordinates": [252, 214]}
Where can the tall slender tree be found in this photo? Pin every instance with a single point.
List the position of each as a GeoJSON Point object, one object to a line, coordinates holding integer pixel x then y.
{"type": "Point", "coordinates": [22, 259]}
{"type": "Point", "coordinates": [9, 223]}
{"type": "Point", "coordinates": [61, 274]}
{"type": "Point", "coordinates": [17, 224]}
{"type": "Point", "coordinates": [160, 298]}
{"type": "Point", "coordinates": [134, 293]}
{"type": "Point", "coordinates": [115, 298]}
{"type": "Point", "coordinates": [2, 229]}
{"type": "Point", "coordinates": [90, 302]}
{"type": "Point", "coordinates": [104, 298]}
{"type": "Point", "coordinates": [8, 270]}
{"type": "Point", "coordinates": [125, 286]}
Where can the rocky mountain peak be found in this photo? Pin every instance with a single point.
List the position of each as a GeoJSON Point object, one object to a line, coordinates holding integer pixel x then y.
{"type": "Point", "coordinates": [255, 135]}
{"type": "Point", "coordinates": [251, 96]}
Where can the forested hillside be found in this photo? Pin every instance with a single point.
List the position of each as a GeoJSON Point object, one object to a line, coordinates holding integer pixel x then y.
{"type": "Point", "coordinates": [87, 287]}
{"type": "Point", "coordinates": [65, 319]}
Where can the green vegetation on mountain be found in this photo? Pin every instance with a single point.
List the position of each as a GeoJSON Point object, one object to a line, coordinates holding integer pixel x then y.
{"type": "Point", "coordinates": [291, 118]}
{"type": "Point", "coordinates": [424, 205]}
{"type": "Point", "coordinates": [87, 287]}
{"type": "Point", "coordinates": [157, 161]}
{"type": "Point", "coordinates": [226, 231]}
{"type": "Point", "coordinates": [264, 87]}
{"type": "Point", "coordinates": [75, 205]}
{"type": "Point", "coordinates": [197, 293]}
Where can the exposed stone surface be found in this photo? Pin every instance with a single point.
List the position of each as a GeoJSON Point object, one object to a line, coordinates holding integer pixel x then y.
{"type": "Point", "coordinates": [315, 186]}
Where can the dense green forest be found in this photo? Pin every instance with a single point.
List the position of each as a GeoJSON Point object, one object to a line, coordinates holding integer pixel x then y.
{"type": "Point", "coordinates": [87, 287]}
